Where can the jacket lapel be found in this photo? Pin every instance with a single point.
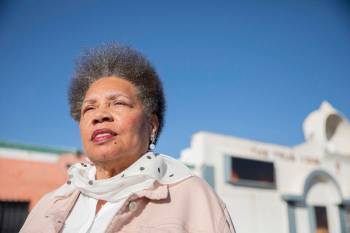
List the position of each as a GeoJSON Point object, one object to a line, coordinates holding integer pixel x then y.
{"type": "Point", "coordinates": [60, 209]}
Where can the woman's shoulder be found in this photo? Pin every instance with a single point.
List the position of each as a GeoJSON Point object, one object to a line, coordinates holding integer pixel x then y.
{"type": "Point", "coordinates": [45, 200]}
{"type": "Point", "coordinates": [36, 214]}
{"type": "Point", "coordinates": [195, 187]}
{"type": "Point", "coordinates": [186, 183]}
{"type": "Point", "coordinates": [47, 204]}
{"type": "Point", "coordinates": [199, 204]}
{"type": "Point", "coordinates": [192, 182]}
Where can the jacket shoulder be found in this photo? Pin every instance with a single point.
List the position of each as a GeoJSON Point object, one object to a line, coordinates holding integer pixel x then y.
{"type": "Point", "coordinates": [195, 187]}
{"type": "Point", "coordinates": [39, 209]}
{"type": "Point", "coordinates": [192, 180]}
{"type": "Point", "coordinates": [204, 208]}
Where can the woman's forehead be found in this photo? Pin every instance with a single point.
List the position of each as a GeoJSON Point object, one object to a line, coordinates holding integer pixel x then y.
{"type": "Point", "coordinates": [110, 88]}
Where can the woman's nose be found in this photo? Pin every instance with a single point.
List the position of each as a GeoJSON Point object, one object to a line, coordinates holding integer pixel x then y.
{"type": "Point", "coordinates": [102, 116]}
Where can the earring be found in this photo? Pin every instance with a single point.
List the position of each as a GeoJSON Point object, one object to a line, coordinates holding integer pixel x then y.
{"type": "Point", "coordinates": [152, 146]}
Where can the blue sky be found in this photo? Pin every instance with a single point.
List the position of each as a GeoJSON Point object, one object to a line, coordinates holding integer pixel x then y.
{"type": "Point", "coordinates": [251, 69]}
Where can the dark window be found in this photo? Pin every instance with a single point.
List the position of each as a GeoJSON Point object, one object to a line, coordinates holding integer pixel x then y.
{"type": "Point", "coordinates": [250, 172]}
{"type": "Point", "coordinates": [347, 219]}
{"type": "Point", "coordinates": [321, 219]}
{"type": "Point", "coordinates": [12, 216]}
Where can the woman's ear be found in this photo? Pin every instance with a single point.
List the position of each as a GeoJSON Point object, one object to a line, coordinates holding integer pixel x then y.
{"type": "Point", "coordinates": [154, 125]}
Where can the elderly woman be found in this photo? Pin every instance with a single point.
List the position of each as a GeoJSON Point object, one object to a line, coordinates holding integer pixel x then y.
{"type": "Point", "coordinates": [118, 101]}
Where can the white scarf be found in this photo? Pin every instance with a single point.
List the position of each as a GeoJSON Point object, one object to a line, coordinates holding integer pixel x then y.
{"type": "Point", "coordinates": [140, 175]}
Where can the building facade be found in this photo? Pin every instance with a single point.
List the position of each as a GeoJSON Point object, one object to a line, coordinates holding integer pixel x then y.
{"type": "Point", "coordinates": [26, 173]}
{"type": "Point", "coordinates": [271, 188]}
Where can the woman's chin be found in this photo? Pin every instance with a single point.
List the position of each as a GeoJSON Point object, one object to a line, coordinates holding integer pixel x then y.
{"type": "Point", "coordinates": [102, 156]}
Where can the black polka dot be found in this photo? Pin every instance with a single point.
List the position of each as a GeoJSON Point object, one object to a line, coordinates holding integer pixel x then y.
{"type": "Point", "coordinates": [90, 182]}
{"type": "Point", "coordinates": [159, 170]}
{"type": "Point", "coordinates": [149, 157]}
{"type": "Point", "coordinates": [171, 175]}
{"type": "Point", "coordinates": [142, 168]}
{"type": "Point", "coordinates": [123, 175]}
{"type": "Point", "coordinates": [69, 182]}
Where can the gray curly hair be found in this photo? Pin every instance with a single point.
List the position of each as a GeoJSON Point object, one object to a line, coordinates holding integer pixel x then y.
{"type": "Point", "coordinates": [122, 62]}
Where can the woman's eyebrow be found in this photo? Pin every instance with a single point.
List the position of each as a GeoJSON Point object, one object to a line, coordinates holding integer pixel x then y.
{"type": "Point", "coordinates": [115, 96]}
{"type": "Point", "coordinates": [89, 101]}
{"type": "Point", "coordinates": [109, 97]}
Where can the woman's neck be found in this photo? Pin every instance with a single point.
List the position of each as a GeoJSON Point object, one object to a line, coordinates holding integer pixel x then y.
{"type": "Point", "coordinates": [105, 173]}
{"type": "Point", "coordinates": [108, 169]}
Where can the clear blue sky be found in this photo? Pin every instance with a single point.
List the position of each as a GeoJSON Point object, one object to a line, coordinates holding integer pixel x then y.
{"type": "Point", "coordinates": [252, 69]}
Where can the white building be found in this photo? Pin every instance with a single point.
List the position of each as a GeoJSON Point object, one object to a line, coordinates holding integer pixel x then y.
{"type": "Point", "coordinates": [270, 188]}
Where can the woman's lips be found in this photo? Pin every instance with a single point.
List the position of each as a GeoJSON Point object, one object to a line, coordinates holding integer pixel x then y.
{"type": "Point", "coordinates": [100, 136]}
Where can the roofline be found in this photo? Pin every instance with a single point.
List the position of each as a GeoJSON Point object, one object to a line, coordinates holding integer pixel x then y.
{"type": "Point", "coordinates": [36, 148]}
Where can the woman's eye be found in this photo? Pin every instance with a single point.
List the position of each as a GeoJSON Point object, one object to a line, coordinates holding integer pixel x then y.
{"type": "Point", "coordinates": [120, 103]}
{"type": "Point", "coordinates": [87, 109]}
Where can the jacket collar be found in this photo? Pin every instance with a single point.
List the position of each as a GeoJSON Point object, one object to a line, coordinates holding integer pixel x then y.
{"type": "Point", "coordinates": [61, 207]}
{"type": "Point", "coordinates": [159, 192]}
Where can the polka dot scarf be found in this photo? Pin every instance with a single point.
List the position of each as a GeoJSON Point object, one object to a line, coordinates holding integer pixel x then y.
{"type": "Point", "coordinates": [142, 174]}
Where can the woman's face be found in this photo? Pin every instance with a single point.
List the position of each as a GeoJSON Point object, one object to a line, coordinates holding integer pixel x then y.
{"type": "Point", "coordinates": [113, 125]}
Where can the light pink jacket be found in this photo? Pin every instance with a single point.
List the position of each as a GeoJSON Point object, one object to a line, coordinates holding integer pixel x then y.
{"type": "Point", "coordinates": [189, 206]}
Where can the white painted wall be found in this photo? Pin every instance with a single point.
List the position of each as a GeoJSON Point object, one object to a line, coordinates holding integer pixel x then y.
{"type": "Point", "coordinates": [302, 220]}
{"type": "Point", "coordinates": [28, 155]}
{"type": "Point", "coordinates": [263, 210]}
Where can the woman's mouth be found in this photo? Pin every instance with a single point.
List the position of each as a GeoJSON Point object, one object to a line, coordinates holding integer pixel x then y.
{"type": "Point", "coordinates": [101, 136]}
